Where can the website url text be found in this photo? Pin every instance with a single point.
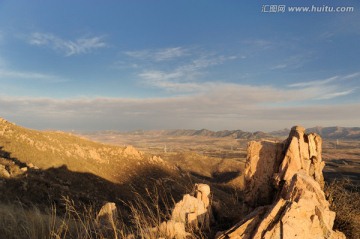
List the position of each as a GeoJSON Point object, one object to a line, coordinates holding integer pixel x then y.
{"type": "Point", "coordinates": [307, 9]}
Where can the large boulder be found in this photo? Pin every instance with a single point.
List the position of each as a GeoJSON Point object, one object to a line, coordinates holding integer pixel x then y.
{"type": "Point", "coordinates": [285, 182]}
{"type": "Point", "coordinates": [191, 211]}
{"type": "Point", "coordinates": [194, 209]}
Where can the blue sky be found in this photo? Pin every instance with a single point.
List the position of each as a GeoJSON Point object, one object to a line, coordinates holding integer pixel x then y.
{"type": "Point", "coordinates": [124, 65]}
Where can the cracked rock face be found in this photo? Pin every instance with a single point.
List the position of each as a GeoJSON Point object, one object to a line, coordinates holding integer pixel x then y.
{"type": "Point", "coordinates": [284, 183]}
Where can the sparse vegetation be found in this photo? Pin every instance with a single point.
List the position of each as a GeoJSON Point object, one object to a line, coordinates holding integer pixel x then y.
{"type": "Point", "coordinates": [146, 214]}
{"type": "Point", "coordinates": [344, 198]}
{"type": "Point", "coordinates": [18, 222]}
{"type": "Point", "coordinates": [53, 183]}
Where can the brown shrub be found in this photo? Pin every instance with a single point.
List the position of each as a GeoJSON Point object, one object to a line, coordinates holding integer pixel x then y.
{"type": "Point", "coordinates": [344, 198]}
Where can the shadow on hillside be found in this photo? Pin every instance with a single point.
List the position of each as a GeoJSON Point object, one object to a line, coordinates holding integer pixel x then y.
{"type": "Point", "coordinates": [47, 188]}
{"type": "Point", "coordinates": [225, 177]}
{"type": "Point", "coordinates": [151, 189]}
{"type": "Point", "coordinates": [7, 155]}
{"type": "Point", "coordinates": [217, 177]}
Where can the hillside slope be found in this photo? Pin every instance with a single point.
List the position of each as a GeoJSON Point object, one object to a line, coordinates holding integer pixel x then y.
{"type": "Point", "coordinates": [54, 149]}
{"type": "Point", "coordinates": [45, 169]}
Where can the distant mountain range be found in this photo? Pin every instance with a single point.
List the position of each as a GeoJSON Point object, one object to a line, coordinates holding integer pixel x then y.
{"type": "Point", "coordinates": [336, 132]}
{"type": "Point", "coordinates": [348, 133]}
{"type": "Point", "coordinates": [236, 134]}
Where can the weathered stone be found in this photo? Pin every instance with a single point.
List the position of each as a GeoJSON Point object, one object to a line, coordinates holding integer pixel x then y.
{"type": "Point", "coordinates": [299, 208]}
{"type": "Point", "coordinates": [203, 193]}
{"type": "Point", "coordinates": [301, 212]}
{"type": "Point", "coordinates": [263, 159]}
{"type": "Point", "coordinates": [191, 211]}
{"type": "Point", "coordinates": [188, 204]}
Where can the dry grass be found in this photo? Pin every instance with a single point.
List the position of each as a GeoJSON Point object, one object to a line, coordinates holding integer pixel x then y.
{"type": "Point", "coordinates": [147, 212]}
{"type": "Point", "coordinates": [344, 198]}
{"type": "Point", "coordinates": [17, 222]}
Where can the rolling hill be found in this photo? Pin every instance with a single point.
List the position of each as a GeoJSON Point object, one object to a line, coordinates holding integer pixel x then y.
{"type": "Point", "coordinates": [48, 149]}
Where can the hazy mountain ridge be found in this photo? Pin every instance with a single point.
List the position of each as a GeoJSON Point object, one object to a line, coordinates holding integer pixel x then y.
{"type": "Point", "coordinates": [335, 132]}
{"type": "Point", "coordinates": [236, 134]}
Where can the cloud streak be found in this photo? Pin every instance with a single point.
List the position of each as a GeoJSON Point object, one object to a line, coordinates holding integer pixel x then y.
{"type": "Point", "coordinates": [176, 69]}
{"type": "Point", "coordinates": [158, 55]}
{"type": "Point", "coordinates": [314, 83]}
{"type": "Point", "coordinates": [9, 74]}
{"type": "Point", "coordinates": [183, 77]}
{"type": "Point", "coordinates": [67, 47]}
{"type": "Point", "coordinates": [294, 62]}
{"type": "Point", "coordinates": [328, 88]}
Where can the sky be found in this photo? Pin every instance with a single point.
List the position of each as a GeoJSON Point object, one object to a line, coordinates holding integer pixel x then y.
{"type": "Point", "coordinates": [180, 64]}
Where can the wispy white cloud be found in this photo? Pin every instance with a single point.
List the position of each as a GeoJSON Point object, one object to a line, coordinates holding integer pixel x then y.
{"type": "Point", "coordinates": [327, 88]}
{"type": "Point", "coordinates": [14, 74]}
{"type": "Point", "coordinates": [326, 35]}
{"type": "Point", "coordinates": [314, 83]}
{"type": "Point", "coordinates": [183, 77]}
{"type": "Point", "coordinates": [279, 66]}
{"type": "Point", "coordinates": [353, 75]}
{"type": "Point", "coordinates": [172, 81]}
{"type": "Point", "coordinates": [249, 94]}
{"type": "Point", "coordinates": [335, 94]}
{"type": "Point", "coordinates": [67, 47]}
{"type": "Point", "coordinates": [293, 62]}
{"type": "Point", "coordinates": [260, 44]}
{"type": "Point", "coordinates": [124, 65]}
{"type": "Point", "coordinates": [158, 55]}
{"type": "Point", "coordinates": [189, 77]}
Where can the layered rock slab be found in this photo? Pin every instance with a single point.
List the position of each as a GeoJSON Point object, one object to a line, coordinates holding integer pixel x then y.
{"type": "Point", "coordinates": [285, 182]}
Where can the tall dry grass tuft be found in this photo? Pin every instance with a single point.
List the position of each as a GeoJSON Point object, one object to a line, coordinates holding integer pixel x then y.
{"type": "Point", "coordinates": [140, 219]}
{"type": "Point", "coordinates": [344, 198]}
{"type": "Point", "coordinates": [17, 222]}
{"type": "Point", "coordinates": [150, 209]}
